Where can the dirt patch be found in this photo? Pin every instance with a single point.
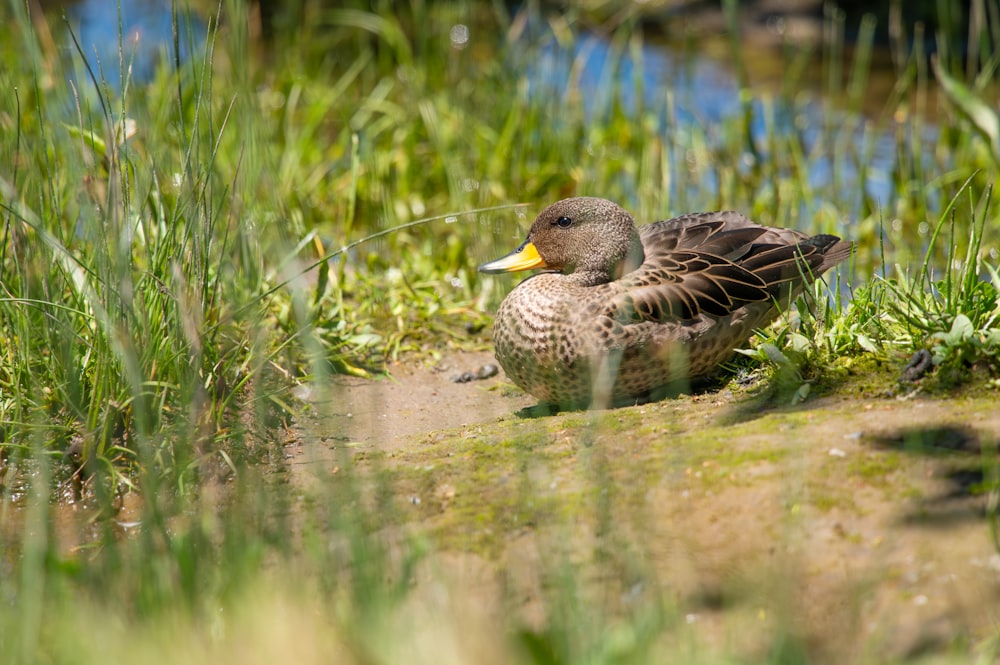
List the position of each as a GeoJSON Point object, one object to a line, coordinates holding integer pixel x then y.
{"type": "Point", "coordinates": [416, 399]}
{"type": "Point", "coordinates": [854, 530]}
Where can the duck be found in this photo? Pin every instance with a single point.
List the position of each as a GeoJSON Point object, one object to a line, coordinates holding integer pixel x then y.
{"type": "Point", "coordinates": [621, 313]}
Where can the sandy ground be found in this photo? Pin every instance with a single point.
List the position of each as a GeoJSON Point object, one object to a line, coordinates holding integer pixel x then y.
{"type": "Point", "coordinates": [417, 398]}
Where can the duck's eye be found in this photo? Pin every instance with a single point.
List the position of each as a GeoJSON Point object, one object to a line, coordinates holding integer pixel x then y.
{"type": "Point", "coordinates": [564, 222]}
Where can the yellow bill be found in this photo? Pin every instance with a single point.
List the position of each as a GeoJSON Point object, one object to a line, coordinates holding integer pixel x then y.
{"type": "Point", "coordinates": [524, 257]}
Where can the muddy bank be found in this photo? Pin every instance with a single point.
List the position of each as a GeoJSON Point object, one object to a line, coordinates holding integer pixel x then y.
{"type": "Point", "coordinates": [859, 524]}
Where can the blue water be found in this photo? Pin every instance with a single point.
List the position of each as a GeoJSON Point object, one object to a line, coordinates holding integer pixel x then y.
{"type": "Point", "coordinates": [147, 40]}
{"type": "Point", "coordinates": [704, 96]}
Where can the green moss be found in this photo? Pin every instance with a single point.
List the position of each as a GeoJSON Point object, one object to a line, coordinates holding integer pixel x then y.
{"type": "Point", "coordinates": [876, 466]}
{"type": "Point", "coordinates": [826, 500]}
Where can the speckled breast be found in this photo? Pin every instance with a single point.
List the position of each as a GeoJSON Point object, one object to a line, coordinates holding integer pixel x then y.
{"type": "Point", "coordinates": [537, 343]}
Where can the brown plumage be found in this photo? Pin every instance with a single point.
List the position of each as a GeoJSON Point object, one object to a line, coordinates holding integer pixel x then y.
{"type": "Point", "coordinates": [622, 312]}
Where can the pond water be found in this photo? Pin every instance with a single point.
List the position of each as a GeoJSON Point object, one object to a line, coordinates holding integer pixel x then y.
{"type": "Point", "coordinates": [146, 31]}
{"type": "Point", "coordinates": [703, 92]}
{"type": "Point", "coordinates": [686, 89]}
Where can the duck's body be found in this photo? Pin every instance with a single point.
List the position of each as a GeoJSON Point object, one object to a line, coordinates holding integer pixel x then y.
{"type": "Point", "coordinates": [624, 312]}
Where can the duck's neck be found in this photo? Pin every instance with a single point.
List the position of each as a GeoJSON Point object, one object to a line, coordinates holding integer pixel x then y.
{"type": "Point", "coordinates": [595, 276]}
{"type": "Point", "coordinates": [596, 272]}
{"type": "Point", "coordinates": [589, 277]}
{"type": "Point", "coordinates": [633, 258]}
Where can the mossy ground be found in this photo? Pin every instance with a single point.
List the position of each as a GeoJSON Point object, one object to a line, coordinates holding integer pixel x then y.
{"type": "Point", "coordinates": [822, 518]}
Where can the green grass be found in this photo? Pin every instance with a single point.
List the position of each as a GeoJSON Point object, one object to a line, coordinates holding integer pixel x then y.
{"type": "Point", "coordinates": [281, 212]}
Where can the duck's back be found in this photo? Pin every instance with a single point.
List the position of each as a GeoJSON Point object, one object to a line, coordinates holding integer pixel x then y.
{"type": "Point", "coordinates": [715, 262]}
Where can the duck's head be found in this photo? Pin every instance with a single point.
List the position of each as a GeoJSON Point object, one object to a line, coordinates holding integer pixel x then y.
{"type": "Point", "coordinates": [593, 239]}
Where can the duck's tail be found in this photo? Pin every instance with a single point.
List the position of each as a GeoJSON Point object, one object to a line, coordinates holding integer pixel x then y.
{"type": "Point", "coordinates": [787, 268]}
{"type": "Point", "coordinates": [831, 249]}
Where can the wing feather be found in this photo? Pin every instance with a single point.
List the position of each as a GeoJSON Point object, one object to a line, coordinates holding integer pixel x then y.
{"type": "Point", "coordinates": [714, 264]}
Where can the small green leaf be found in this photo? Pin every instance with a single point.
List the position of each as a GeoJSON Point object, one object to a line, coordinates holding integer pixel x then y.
{"type": "Point", "coordinates": [96, 142]}
{"type": "Point", "coordinates": [775, 355]}
{"type": "Point", "coordinates": [984, 118]}
{"type": "Point", "coordinates": [866, 343]}
{"type": "Point", "coordinates": [799, 342]}
{"type": "Point", "coordinates": [364, 339]}
{"type": "Point", "coordinates": [801, 394]}
{"type": "Point", "coordinates": [961, 329]}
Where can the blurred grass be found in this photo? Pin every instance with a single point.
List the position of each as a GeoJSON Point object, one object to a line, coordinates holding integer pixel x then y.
{"type": "Point", "coordinates": [163, 284]}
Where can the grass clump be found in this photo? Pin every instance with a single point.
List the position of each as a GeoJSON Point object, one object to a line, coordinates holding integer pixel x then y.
{"type": "Point", "coordinates": [129, 277]}
{"type": "Point", "coordinates": [948, 311]}
{"type": "Point", "coordinates": [953, 310]}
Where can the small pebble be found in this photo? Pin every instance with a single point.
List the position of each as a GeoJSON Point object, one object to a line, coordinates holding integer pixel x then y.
{"type": "Point", "coordinates": [484, 372]}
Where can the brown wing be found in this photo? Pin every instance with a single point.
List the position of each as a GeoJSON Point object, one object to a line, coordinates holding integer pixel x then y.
{"type": "Point", "coordinates": [686, 283]}
{"type": "Point", "coordinates": [715, 263]}
{"type": "Point", "coordinates": [726, 234]}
